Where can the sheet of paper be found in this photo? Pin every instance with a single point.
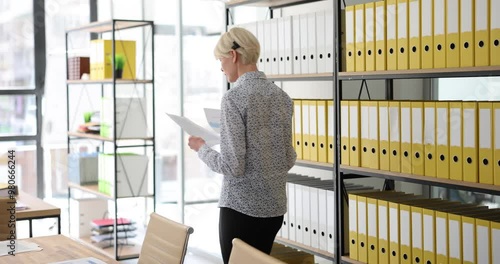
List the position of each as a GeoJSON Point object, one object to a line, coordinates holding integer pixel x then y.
{"type": "Point", "coordinates": [211, 138]}
{"type": "Point", "coordinates": [89, 260]}
{"type": "Point", "coordinates": [19, 246]}
{"type": "Point", "coordinates": [213, 118]}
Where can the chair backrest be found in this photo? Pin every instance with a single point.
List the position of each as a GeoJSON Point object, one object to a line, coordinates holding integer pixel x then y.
{"type": "Point", "coordinates": [243, 253]}
{"type": "Point", "coordinates": [165, 242]}
{"type": "Point", "coordinates": [5, 227]}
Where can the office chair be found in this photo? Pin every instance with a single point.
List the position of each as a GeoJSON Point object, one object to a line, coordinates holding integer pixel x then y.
{"type": "Point", "coordinates": [243, 253]}
{"type": "Point", "coordinates": [165, 242]}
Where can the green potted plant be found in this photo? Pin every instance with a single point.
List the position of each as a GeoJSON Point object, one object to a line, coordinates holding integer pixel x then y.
{"type": "Point", "coordinates": [120, 60]}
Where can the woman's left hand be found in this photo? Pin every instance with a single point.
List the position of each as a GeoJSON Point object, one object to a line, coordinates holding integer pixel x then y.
{"type": "Point", "coordinates": [195, 143]}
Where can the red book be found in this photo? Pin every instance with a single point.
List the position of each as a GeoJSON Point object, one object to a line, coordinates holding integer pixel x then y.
{"type": "Point", "coordinates": [98, 223]}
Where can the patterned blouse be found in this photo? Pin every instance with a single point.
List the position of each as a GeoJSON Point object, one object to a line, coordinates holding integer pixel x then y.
{"type": "Point", "coordinates": [256, 150]}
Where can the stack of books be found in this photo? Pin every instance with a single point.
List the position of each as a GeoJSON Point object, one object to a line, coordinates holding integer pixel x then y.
{"type": "Point", "coordinates": [103, 231]}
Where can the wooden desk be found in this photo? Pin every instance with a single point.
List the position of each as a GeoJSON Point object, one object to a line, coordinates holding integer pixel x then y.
{"type": "Point", "coordinates": [55, 248]}
{"type": "Point", "coordinates": [37, 209]}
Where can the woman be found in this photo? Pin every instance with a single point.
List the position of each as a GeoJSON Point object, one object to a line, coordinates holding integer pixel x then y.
{"type": "Point", "coordinates": [256, 147]}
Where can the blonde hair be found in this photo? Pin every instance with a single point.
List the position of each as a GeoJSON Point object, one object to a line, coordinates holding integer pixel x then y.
{"type": "Point", "coordinates": [242, 41]}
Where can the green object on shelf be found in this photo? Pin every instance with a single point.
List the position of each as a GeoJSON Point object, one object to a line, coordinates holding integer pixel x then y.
{"type": "Point", "coordinates": [87, 116]}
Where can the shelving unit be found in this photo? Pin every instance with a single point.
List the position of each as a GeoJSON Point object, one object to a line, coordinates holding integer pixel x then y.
{"type": "Point", "coordinates": [143, 88]}
{"type": "Point", "coordinates": [343, 172]}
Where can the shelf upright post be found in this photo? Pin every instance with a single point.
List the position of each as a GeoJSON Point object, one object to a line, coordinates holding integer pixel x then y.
{"type": "Point", "coordinates": [337, 97]}
{"type": "Point", "coordinates": [389, 185]}
{"type": "Point", "coordinates": [115, 160]}
{"type": "Point", "coordinates": [153, 113]}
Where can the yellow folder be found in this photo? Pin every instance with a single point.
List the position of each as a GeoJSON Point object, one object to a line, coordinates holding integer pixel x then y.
{"type": "Point", "coordinates": [442, 237]}
{"type": "Point", "coordinates": [402, 33]}
{"type": "Point", "coordinates": [395, 136]}
{"type": "Point", "coordinates": [370, 36]}
{"type": "Point", "coordinates": [359, 37]}
{"type": "Point", "coordinates": [394, 233]}
{"type": "Point", "coordinates": [470, 146]}
{"type": "Point", "coordinates": [297, 120]}
{"type": "Point", "coordinates": [373, 137]}
{"type": "Point", "coordinates": [429, 237]}
{"type": "Point", "coordinates": [496, 142]}
{"type": "Point", "coordinates": [417, 252]}
{"type": "Point", "coordinates": [442, 140]}
{"type": "Point", "coordinates": [405, 233]}
{"type": "Point", "coordinates": [485, 160]}
{"type": "Point", "coordinates": [362, 229]}
{"type": "Point", "coordinates": [372, 216]}
{"type": "Point", "coordinates": [430, 149]}
{"type": "Point", "coordinates": [455, 238]}
{"type": "Point", "coordinates": [483, 241]}
{"type": "Point", "coordinates": [495, 241]}
{"type": "Point", "coordinates": [392, 37]}
{"type": "Point", "coordinates": [452, 33]}
{"type": "Point", "coordinates": [365, 134]}
{"type": "Point", "coordinates": [406, 137]}
{"type": "Point", "coordinates": [439, 23]}
{"type": "Point", "coordinates": [306, 146]}
{"type": "Point", "coordinates": [380, 36]}
{"type": "Point", "coordinates": [427, 35]}
{"type": "Point", "coordinates": [414, 34]}
{"type": "Point", "coordinates": [482, 32]}
{"type": "Point", "coordinates": [494, 33]}
{"type": "Point", "coordinates": [323, 133]}
{"type": "Point", "coordinates": [344, 133]}
{"type": "Point", "coordinates": [384, 148]}
{"type": "Point", "coordinates": [350, 33]}
{"type": "Point", "coordinates": [383, 231]}
{"type": "Point", "coordinates": [313, 130]}
{"type": "Point", "coordinates": [417, 138]}
{"type": "Point", "coordinates": [354, 134]}
{"type": "Point", "coordinates": [466, 33]}
{"type": "Point", "coordinates": [468, 235]}
{"type": "Point", "coordinates": [353, 226]}
{"type": "Point", "coordinates": [330, 141]}
{"type": "Point", "coordinates": [455, 130]}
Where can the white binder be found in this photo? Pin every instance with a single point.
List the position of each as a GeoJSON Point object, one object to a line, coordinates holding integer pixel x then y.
{"type": "Point", "coordinates": [297, 56]}
{"type": "Point", "coordinates": [291, 210]}
{"type": "Point", "coordinates": [260, 38]}
{"type": "Point", "coordinates": [288, 41]}
{"type": "Point", "coordinates": [322, 219]}
{"type": "Point", "coordinates": [281, 46]}
{"type": "Point", "coordinates": [329, 40]}
{"type": "Point", "coordinates": [268, 47]}
{"type": "Point", "coordinates": [311, 43]}
{"type": "Point", "coordinates": [330, 203]}
{"type": "Point", "coordinates": [304, 44]}
{"type": "Point", "coordinates": [321, 41]}
{"type": "Point", "coordinates": [274, 58]}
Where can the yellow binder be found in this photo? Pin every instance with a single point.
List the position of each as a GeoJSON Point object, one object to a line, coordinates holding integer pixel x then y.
{"type": "Point", "coordinates": [496, 142]}
{"type": "Point", "coordinates": [455, 238]}
{"type": "Point", "coordinates": [430, 149]}
{"type": "Point", "coordinates": [495, 241]}
{"type": "Point", "coordinates": [372, 217]}
{"type": "Point", "coordinates": [306, 146]}
{"type": "Point", "coordinates": [482, 33]}
{"type": "Point", "coordinates": [403, 36]}
{"type": "Point", "coordinates": [455, 130]}
{"type": "Point", "coordinates": [297, 120]}
{"type": "Point", "coordinates": [380, 36]}
{"type": "Point", "coordinates": [383, 231]}
{"type": "Point", "coordinates": [470, 147]}
{"type": "Point", "coordinates": [406, 137]}
{"type": "Point", "coordinates": [483, 241]}
{"type": "Point", "coordinates": [485, 160]}
{"type": "Point", "coordinates": [442, 140]}
{"type": "Point", "coordinates": [466, 33]}
{"type": "Point", "coordinates": [417, 252]}
{"type": "Point", "coordinates": [344, 133]}
{"type": "Point", "coordinates": [354, 135]}
{"type": "Point", "coordinates": [373, 137]}
{"type": "Point", "coordinates": [395, 136]}
{"type": "Point", "coordinates": [330, 139]}
{"type": "Point", "coordinates": [414, 48]}
{"type": "Point", "coordinates": [365, 134]}
{"type": "Point", "coordinates": [359, 37]}
{"type": "Point", "coordinates": [313, 130]}
{"type": "Point", "coordinates": [323, 133]}
{"type": "Point", "coordinates": [370, 36]}
{"type": "Point", "coordinates": [469, 234]}
{"type": "Point", "coordinates": [452, 33]}
{"type": "Point", "coordinates": [353, 226]}
{"type": "Point", "coordinates": [362, 229]}
{"type": "Point", "coordinates": [383, 121]}
{"type": "Point", "coordinates": [441, 237]}
{"type": "Point", "coordinates": [417, 138]}
{"type": "Point", "coordinates": [392, 37]}
{"type": "Point", "coordinates": [405, 233]}
{"type": "Point", "coordinates": [494, 33]}
{"type": "Point", "coordinates": [429, 240]}
{"type": "Point", "coordinates": [394, 233]}
{"type": "Point", "coordinates": [350, 27]}
{"type": "Point", "coordinates": [439, 33]}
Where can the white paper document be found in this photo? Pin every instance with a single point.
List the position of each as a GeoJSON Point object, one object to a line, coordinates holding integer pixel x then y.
{"type": "Point", "coordinates": [211, 138]}
{"type": "Point", "coordinates": [213, 118]}
{"type": "Point", "coordinates": [19, 246]}
{"type": "Point", "coordinates": [89, 260]}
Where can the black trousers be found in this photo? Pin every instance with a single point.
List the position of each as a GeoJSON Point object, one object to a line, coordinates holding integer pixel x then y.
{"type": "Point", "coordinates": [255, 231]}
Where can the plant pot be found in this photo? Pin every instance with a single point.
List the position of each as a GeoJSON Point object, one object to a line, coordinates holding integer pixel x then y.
{"type": "Point", "coordinates": [118, 73]}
